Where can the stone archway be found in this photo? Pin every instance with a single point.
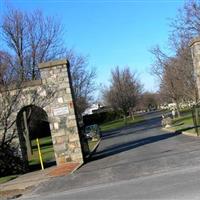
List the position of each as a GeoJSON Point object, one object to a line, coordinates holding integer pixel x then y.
{"type": "Point", "coordinates": [58, 105]}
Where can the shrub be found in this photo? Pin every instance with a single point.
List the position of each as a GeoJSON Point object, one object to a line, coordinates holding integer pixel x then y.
{"type": "Point", "coordinates": [99, 118]}
{"type": "Point", "coordinates": [10, 161]}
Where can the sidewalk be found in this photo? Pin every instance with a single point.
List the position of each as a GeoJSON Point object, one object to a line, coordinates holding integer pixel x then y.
{"type": "Point", "coordinates": [25, 183]}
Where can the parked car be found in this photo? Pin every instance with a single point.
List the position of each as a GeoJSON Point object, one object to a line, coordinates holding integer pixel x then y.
{"type": "Point", "coordinates": [92, 131]}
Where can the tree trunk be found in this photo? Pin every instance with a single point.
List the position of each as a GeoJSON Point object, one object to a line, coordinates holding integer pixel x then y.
{"type": "Point", "coordinates": [125, 120]}
{"type": "Point", "coordinates": [178, 108]}
{"type": "Point", "coordinates": [27, 136]}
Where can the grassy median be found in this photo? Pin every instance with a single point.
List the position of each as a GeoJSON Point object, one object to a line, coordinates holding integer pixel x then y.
{"type": "Point", "coordinates": [119, 123]}
{"type": "Point", "coordinates": [184, 123]}
{"type": "Point", "coordinates": [7, 178]}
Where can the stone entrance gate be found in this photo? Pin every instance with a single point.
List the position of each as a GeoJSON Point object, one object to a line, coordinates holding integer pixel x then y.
{"type": "Point", "coordinates": [59, 107]}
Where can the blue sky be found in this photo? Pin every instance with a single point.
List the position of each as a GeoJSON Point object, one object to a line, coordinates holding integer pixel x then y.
{"type": "Point", "coordinates": [112, 32]}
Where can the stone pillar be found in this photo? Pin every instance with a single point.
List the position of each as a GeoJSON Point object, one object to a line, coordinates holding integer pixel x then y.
{"type": "Point", "coordinates": [61, 113]}
{"type": "Point", "coordinates": [195, 50]}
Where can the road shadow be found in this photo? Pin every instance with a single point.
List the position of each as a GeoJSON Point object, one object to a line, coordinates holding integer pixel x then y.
{"type": "Point", "coordinates": [50, 143]}
{"type": "Point", "coordinates": [118, 148]}
{"type": "Point", "coordinates": [37, 166]}
{"type": "Point", "coordinates": [128, 130]}
{"type": "Point", "coordinates": [186, 129]}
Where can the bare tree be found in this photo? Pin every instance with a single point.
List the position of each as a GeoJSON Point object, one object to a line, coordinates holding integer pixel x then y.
{"type": "Point", "coordinates": [83, 80]}
{"type": "Point", "coordinates": [186, 25]}
{"type": "Point", "coordinates": [5, 66]}
{"type": "Point", "coordinates": [123, 91]}
{"type": "Point", "coordinates": [172, 83]}
{"type": "Point", "coordinates": [31, 38]}
{"type": "Point", "coordinates": [148, 101]}
{"type": "Point", "coordinates": [158, 66]}
{"type": "Point", "coordinates": [176, 75]}
{"type": "Point", "coordinates": [186, 72]}
{"type": "Point", "coordinates": [12, 99]}
{"type": "Point", "coordinates": [184, 28]}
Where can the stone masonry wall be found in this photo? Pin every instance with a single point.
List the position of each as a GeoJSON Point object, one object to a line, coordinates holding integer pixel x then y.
{"type": "Point", "coordinates": [61, 112]}
{"type": "Point", "coordinates": [59, 108]}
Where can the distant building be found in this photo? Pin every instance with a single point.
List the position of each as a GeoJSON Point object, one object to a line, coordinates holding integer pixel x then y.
{"type": "Point", "coordinates": [90, 110]}
{"type": "Point", "coordinates": [95, 108]}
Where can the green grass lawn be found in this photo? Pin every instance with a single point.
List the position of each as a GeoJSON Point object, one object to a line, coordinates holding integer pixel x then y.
{"type": "Point", "coordinates": [7, 178]}
{"type": "Point", "coordinates": [47, 151]}
{"type": "Point", "coordinates": [184, 122]}
{"type": "Point", "coordinates": [120, 123]}
{"type": "Point", "coordinates": [92, 144]}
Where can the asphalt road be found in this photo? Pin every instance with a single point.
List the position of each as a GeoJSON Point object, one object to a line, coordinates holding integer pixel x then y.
{"type": "Point", "coordinates": [137, 162]}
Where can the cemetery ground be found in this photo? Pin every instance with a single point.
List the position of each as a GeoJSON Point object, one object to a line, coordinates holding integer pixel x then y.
{"type": "Point", "coordinates": [47, 155]}
{"type": "Point", "coordinates": [35, 169]}
{"type": "Point", "coordinates": [131, 162]}
{"type": "Point", "coordinates": [126, 154]}
{"type": "Point", "coordinates": [48, 152]}
{"type": "Point", "coordinates": [184, 124]}
{"type": "Point", "coordinates": [47, 147]}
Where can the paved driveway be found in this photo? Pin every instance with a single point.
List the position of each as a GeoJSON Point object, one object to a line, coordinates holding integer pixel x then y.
{"type": "Point", "coordinates": [135, 151]}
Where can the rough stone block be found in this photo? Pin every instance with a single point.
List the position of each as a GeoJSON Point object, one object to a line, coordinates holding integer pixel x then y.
{"type": "Point", "coordinates": [56, 125]}
{"type": "Point", "coordinates": [68, 158]}
{"type": "Point", "coordinates": [71, 117]}
{"type": "Point", "coordinates": [51, 126]}
{"type": "Point", "coordinates": [51, 72]}
{"type": "Point", "coordinates": [71, 123]}
{"type": "Point", "coordinates": [60, 100]}
{"type": "Point", "coordinates": [60, 160]}
{"type": "Point", "coordinates": [77, 150]}
{"type": "Point", "coordinates": [64, 69]}
{"type": "Point", "coordinates": [53, 140]}
{"type": "Point", "coordinates": [62, 85]}
{"type": "Point", "coordinates": [56, 71]}
{"type": "Point", "coordinates": [59, 148]}
{"type": "Point", "coordinates": [60, 140]}
{"type": "Point", "coordinates": [57, 133]}
{"type": "Point", "coordinates": [77, 157]}
{"type": "Point", "coordinates": [68, 91]}
{"type": "Point", "coordinates": [73, 137]}
{"type": "Point", "coordinates": [61, 79]}
{"type": "Point", "coordinates": [71, 146]}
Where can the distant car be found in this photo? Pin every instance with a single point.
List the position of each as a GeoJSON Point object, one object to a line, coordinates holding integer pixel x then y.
{"type": "Point", "coordinates": [92, 131]}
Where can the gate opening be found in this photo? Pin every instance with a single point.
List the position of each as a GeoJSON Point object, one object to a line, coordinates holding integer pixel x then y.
{"type": "Point", "coordinates": [32, 123]}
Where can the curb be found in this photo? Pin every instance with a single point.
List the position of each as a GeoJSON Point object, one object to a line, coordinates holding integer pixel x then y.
{"type": "Point", "coordinates": [76, 168]}
{"type": "Point", "coordinates": [189, 134]}
{"type": "Point", "coordinates": [182, 132]}
{"type": "Point", "coordinates": [168, 129]}
{"type": "Point", "coordinates": [88, 156]}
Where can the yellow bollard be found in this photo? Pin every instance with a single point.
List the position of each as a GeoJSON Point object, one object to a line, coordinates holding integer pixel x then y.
{"type": "Point", "coordinates": [40, 155]}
